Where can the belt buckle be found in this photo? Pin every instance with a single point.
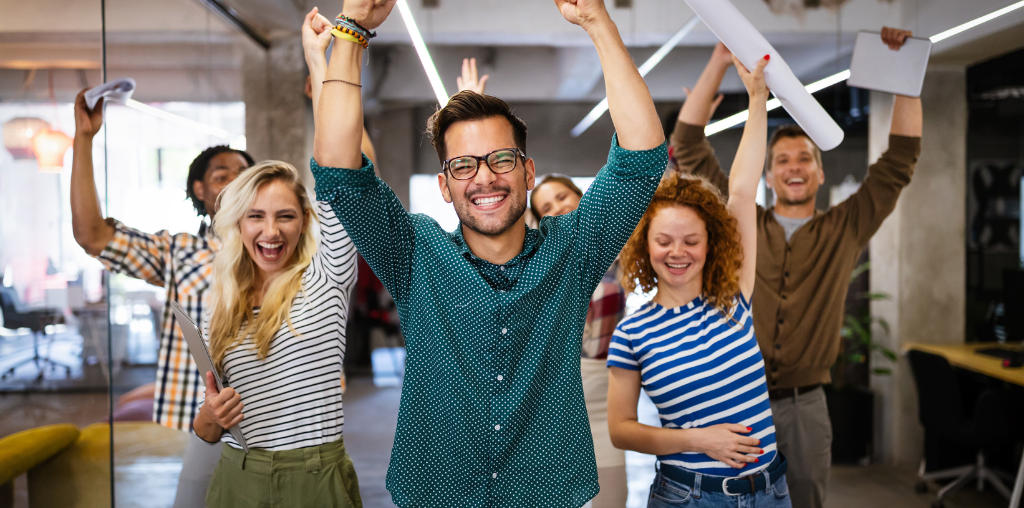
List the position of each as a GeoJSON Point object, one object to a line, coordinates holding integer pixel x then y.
{"type": "Point", "coordinates": [725, 487]}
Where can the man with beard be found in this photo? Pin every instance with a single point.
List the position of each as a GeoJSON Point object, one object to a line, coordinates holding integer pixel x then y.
{"type": "Point", "coordinates": [492, 410]}
{"type": "Point", "coordinates": [804, 260]}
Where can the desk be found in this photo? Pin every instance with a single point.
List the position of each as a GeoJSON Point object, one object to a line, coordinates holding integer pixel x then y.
{"type": "Point", "coordinates": [964, 356]}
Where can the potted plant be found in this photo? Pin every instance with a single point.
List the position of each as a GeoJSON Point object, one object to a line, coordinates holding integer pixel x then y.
{"type": "Point", "coordinates": [850, 400]}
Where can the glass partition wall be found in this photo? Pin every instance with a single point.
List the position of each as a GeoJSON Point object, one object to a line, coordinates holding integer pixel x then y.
{"type": "Point", "coordinates": [83, 342]}
{"type": "Point", "coordinates": [187, 98]}
{"type": "Point", "coordinates": [55, 347]}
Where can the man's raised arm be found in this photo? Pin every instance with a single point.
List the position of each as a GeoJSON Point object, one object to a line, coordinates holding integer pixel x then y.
{"type": "Point", "coordinates": [691, 152]}
{"type": "Point", "coordinates": [90, 230]}
{"type": "Point", "coordinates": [629, 101]}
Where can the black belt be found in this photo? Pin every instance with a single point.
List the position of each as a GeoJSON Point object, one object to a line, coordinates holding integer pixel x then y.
{"type": "Point", "coordinates": [732, 486]}
{"type": "Point", "coordinates": [788, 393]}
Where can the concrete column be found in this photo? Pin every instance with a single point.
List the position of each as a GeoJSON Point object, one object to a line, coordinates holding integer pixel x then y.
{"type": "Point", "coordinates": [276, 122]}
{"type": "Point", "coordinates": [394, 137]}
{"type": "Point", "coordinates": [918, 256]}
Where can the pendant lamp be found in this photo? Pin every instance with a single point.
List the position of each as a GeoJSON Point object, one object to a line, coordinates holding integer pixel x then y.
{"type": "Point", "coordinates": [50, 146]}
{"type": "Point", "coordinates": [19, 133]}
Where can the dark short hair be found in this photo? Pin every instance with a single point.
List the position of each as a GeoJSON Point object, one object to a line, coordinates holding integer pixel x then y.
{"type": "Point", "coordinates": [468, 105]}
{"type": "Point", "coordinates": [197, 171]}
{"type": "Point", "coordinates": [789, 131]}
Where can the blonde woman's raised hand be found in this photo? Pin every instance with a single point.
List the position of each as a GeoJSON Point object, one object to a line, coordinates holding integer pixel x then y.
{"type": "Point", "coordinates": [368, 13]}
{"type": "Point", "coordinates": [468, 80]}
{"type": "Point", "coordinates": [316, 37]}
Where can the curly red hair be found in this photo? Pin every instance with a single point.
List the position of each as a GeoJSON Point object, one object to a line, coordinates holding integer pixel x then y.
{"type": "Point", "coordinates": [721, 269]}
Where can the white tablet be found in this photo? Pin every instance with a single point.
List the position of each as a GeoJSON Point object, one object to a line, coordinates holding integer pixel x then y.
{"type": "Point", "coordinates": [876, 67]}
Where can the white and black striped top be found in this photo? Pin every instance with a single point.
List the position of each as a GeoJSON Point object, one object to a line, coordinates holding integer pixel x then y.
{"type": "Point", "coordinates": [293, 398]}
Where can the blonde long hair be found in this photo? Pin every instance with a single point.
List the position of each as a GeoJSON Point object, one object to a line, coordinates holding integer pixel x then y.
{"type": "Point", "coordinates": [234, 271]}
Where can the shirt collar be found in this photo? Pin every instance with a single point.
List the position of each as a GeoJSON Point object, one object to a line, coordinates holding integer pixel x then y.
{"type": "Point", "coordinates": [530, 244]}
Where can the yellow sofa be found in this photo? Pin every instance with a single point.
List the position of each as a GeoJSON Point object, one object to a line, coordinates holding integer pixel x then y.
{"type": "Point", "coordinates": [23, 451]}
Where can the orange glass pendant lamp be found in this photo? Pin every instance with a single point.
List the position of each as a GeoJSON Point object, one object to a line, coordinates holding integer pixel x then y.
{"type": "Point", "coordinates": [19, 133]}
{"type": "Point", "coordinates": [50, 146]}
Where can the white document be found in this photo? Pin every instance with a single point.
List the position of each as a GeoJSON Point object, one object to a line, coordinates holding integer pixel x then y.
{"type": "Point", "coordinates": [197, 348]}
{"type": "Point", "coordinates": [749, 46]}
{"type": "Point", "coordinates": [876, 67]}
{"type": "Point", "coordinates": [119, 90]}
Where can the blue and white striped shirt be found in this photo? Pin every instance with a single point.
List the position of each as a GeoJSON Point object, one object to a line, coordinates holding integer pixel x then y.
{"type": "Point", "coordinates": [701, 368]}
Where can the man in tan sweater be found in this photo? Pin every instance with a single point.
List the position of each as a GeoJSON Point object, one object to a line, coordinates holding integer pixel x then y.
{"type": "Point", "coordinates": [805, 257]}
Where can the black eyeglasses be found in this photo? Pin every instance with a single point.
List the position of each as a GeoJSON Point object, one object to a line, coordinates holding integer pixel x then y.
{"type": "Point", "coordinates": [500, 161]}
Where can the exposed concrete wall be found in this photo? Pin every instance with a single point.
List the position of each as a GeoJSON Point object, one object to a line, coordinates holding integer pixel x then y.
{"type": "Point", "coordinates": [918, 256]}
{"type": "Point", "coordinates": [276, 121]}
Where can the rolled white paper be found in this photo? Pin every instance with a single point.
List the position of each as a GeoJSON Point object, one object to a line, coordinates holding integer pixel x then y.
{"type": "Point", "coordinates": [749, 46]}
{"type": "Point", "coordinates": [120, 90]}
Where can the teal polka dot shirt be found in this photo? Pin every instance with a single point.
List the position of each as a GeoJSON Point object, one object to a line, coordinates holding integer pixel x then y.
{"type": "Point", "coordinates": [492, 411]}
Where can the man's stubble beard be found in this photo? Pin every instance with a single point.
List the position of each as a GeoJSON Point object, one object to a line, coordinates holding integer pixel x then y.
{"type": "Point", "coordinates": [515, 212]}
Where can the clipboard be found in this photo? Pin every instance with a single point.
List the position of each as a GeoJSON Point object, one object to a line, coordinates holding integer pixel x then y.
{"type": "Point", "coordinates": [876, 67]}
{"type": "Point", "coordinates": [195, 341]}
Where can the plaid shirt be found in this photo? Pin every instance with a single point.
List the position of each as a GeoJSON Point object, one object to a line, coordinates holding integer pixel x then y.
{"type": "Point", "coordinates": [607, 307]}
{"type": "Point", "coordinates": [187, 262]}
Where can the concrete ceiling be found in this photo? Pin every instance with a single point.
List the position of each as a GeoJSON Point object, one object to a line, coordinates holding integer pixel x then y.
{"type": "Point", "coordinates": [180, 50]}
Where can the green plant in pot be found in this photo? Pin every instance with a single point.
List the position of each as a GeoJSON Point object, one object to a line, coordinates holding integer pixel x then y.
{"type": "Point", "coordinates": [850, 400]}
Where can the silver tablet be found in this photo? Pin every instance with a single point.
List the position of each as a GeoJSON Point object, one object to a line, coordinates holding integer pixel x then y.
{"type": "Point", "coordinates": [876, 67]}
{"type": "Point", "coordinates": [201, 355]}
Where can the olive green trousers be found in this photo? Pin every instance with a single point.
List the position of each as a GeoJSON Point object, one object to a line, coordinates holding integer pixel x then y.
{"type": "Point", "coordinates": [308, 477]}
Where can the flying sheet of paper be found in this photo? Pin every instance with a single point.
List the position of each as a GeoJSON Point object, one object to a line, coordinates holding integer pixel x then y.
{"type": "Point", "coordinates": [119, 90]}
{"type": "Point", "coordinates": [749, 46]}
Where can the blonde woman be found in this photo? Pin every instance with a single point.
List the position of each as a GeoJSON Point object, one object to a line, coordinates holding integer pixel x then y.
{"type": "Point", "coordinates": [277, 334]}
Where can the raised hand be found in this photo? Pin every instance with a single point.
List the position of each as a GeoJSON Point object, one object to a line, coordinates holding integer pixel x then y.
{"type": "Point", "coordinates": [754, 80]}
{"type": "Point", "coordinates": [87, 122]}
{"type": "Point", "coordinates": [583, 12]}
{"type": "Point", "coordinates": [316, 37]}
{"type": "Point", "coordinates": [468, 80]}
{"type": "Point", "coordinates": [224, 407]}
{"type": "Point", "coordinates": [368, 13]}
{"type": "Point", "coordinates": [714, 104]}
{"type": "Point", "coordinates": [721, 55]}
{"type": "Point", "coordinates": [727, 444]}
{"type": "Point", "coordinates": [894, 37]}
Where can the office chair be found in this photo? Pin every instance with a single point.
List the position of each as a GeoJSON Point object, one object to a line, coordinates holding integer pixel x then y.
{"type": "Point", "coordinates": [944, 416]}
{"type": "Point", "coordinates": [15, 316]}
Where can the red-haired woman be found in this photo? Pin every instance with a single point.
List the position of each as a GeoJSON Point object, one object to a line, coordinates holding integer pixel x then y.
{"type": "Point", "coordinates": [692, 348]}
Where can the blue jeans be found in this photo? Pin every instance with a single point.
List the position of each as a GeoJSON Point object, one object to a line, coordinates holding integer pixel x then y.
{"type": "Point", "coordinates": [666, 493]}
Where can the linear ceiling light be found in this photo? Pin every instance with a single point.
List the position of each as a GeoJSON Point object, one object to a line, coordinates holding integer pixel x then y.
{"type": "Point", "coordinates": [654, 60]}
{"type": "Point", "coordinates": [739, 118]}
{"type": "Point", "coordinates": [177, 120]}
{"type": "Point", "coordinates": [421, 50]}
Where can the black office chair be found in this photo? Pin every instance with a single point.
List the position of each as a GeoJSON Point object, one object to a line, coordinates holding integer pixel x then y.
{"type": "Point", "coordinates": [944, 416]}
{"type": "Point", "coordinates": [15, 315]}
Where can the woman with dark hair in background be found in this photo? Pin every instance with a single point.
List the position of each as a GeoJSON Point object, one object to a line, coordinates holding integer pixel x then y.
{"type": "Point", "coordinates": [558, 195]}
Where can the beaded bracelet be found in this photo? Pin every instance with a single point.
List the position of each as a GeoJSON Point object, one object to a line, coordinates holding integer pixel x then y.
{"type": "Point", "coordinates": [343, 19]}
{"type": "Point", "coordinates": [347, 34]}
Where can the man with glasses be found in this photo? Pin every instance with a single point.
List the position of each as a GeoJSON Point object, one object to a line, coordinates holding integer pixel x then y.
{"type": "Point", "coordinates": [492, 410]}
